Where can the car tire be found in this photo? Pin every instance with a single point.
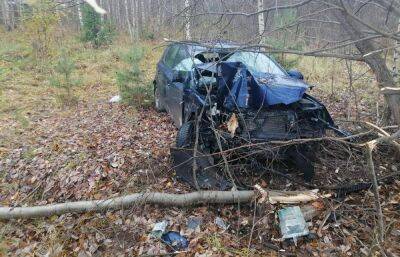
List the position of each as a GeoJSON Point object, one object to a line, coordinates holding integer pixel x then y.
{"type": "Point", "coordinates": [184, 138]}
{"type": "Point", "coordinates": [183, 161]}
{"type": "Point", "coordinates": [157, 101]}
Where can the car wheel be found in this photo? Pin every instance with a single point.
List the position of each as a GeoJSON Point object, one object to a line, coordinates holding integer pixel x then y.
{"type": "Point", "coordinates": [183, 161]}
{"type": "Point", "coordinates": [185, 135]}
{"type": "Point", "coordinates": [157, 102]}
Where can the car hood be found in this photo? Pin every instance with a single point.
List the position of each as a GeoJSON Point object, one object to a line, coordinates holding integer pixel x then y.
{"type": "Point", "coordinates": [279, 89]}
{"type": "Point", "coordinates": [242, 88]}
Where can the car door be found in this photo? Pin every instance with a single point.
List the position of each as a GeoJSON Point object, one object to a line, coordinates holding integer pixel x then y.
{"type": "Point", "coordinates": [164, 74]}
{"type": "Point", "coordinates": [174, 90]}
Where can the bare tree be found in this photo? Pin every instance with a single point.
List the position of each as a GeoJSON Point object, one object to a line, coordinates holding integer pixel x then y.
{"type": "Point", "coordinates": [261, 26]}
{"type": "Point", "coordinates": [78, 6]}
{"type": "Point", "coordinates": [187, 25]}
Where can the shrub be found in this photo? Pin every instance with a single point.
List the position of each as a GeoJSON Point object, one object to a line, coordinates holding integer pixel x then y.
{"type": "Point", "coordinates": [64, 79]}
{"type": "Point", "coordinates": [94, 30]}
{"type": "Point", "coordinates": [40, 25]}
{"type": "Point", "coordinates": [132, 89]}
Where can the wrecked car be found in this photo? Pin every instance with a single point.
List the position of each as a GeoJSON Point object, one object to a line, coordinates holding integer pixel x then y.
{"type": "Point", "coordinates": [223, 96]}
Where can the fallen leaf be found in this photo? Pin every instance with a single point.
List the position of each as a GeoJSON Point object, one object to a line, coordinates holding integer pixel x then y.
{"type": "Point", "coordinates": [232, 124]}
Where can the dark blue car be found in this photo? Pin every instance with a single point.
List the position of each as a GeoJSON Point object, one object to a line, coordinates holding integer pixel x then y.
{"type": "Point", "coordinates": [224, 96]}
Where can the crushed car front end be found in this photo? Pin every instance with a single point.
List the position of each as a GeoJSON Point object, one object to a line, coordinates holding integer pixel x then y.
{"type": "Point", "coordinates": [234, 106]}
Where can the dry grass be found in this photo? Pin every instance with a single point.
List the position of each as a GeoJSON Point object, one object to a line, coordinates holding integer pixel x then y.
{"type": "Point", "coordinates": [25, 91]}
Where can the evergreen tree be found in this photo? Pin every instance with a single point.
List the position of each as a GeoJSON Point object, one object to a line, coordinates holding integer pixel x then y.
{"type": "Point", "coordinates": [95, 30]}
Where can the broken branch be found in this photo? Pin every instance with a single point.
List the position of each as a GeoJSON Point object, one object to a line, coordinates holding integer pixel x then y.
{"type": "Point", "coordinates": [181, 200]}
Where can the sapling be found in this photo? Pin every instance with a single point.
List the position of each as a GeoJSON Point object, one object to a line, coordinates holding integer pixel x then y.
{"type": "Point", "coordinates": [130, 83]}
{"type": "Point", "coordinates": [64, 79]}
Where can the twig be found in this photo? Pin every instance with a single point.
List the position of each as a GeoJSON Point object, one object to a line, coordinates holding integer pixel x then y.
{"type": "Point", "coordinates": [381, 227]}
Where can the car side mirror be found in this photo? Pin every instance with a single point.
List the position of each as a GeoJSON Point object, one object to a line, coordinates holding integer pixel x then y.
{"type": "Point", "coordinates": [178, 77]}
{"type": "Point", "coordinates": [295, 74]}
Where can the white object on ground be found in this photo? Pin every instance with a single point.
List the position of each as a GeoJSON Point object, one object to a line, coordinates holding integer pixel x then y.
{"type": "Point", "coordinates": [115, 99]}
{"type": "Point", "coordinates": [159, 229]}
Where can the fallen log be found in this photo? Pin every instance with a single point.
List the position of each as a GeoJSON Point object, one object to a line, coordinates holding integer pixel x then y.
{"type": "Point", "coordinates": [122, 202]}
{"type": "Point", "coordinates": [189, 199]}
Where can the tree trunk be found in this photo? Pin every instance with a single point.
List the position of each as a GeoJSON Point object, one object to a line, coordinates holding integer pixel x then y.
{"type": "Point", "coordinates": [143, 14]}
{"type": "Point", "coordinates": [134, 19]}
{"type": "Point", "coordinates": [79, 13]}
{"type": "Point", "coordinates": [189, 199]}
{"type": "Point", "coordinates": [395, 57]}
{"type": "Point", "coordinates": [375, 61]}
{"type": "Point", "coordinates": [6, 14]}
{"type": "Point", "coordinates": [393, 97]}
{"type": "Point", "coordinates": [127, 19]}
{"type": "Point", "coordinates": [137, 19]}
{"type": "Point", "coordinates": [188, 35]}
{"type": "Point", "coordinates": [261, 25]}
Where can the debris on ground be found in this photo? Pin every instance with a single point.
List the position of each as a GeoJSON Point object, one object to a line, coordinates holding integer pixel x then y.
{"type": "Point", "coordinates": [175, 240]}
{"type": "Point", "coordinates": [194, 223]}
{"type": "Point", "coordinates": [115, 99]}
{"type": "Point", "coordinates": [159, 229]}
{"type": "Point", "coordinates": [292, 223]}
{"type": "Point", "coordinates": [221, 223]}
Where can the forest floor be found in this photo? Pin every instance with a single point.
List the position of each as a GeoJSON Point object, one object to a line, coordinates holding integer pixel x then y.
{"type": "Point", "coordinates": [53, 153]}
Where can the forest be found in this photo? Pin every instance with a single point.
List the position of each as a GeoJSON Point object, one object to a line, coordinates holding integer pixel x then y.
{"type": "Point", "coordinates": [100, 157]}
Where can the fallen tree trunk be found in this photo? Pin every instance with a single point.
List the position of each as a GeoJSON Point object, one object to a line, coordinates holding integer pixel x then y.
{"type": "Point", "coordinates": [189, 199]}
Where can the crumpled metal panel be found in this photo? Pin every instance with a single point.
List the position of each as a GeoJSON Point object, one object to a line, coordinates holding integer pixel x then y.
{"type": "Point", "coordinates": [241, 88]}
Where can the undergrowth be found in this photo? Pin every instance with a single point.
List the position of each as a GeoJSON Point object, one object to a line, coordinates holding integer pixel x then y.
{"type": "Point", "coordinates": [99, 31]}
{"type": "Point", "coordinates": [133, 89]}
{"type": "Point", "coordinates": [64, 79]}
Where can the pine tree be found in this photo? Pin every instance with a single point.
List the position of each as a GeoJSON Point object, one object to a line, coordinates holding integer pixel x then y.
{"type": "Point", "coordinates": [95, 30]}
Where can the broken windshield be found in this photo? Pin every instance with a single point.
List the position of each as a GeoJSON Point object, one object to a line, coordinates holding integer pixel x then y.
{"type": "Point", "coordinates": [257, 62]}
{"type": "Point", "coordinates": [187, 64]}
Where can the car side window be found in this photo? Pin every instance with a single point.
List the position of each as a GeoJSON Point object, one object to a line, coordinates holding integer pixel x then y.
{"type": "Point", "coordinates": [169, 57]}
{"type": "Point", "coordinates": [181, 55]}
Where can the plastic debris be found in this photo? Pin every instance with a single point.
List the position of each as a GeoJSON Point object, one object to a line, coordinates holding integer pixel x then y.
{"type": "Point", "coordinates": [194, 223]}
{"type": "Point", "coordinates": [292, 223]}
{"type": "Point", "coordinates": [115, 99]}
{"type": "Point", "coordinates": [175, 240]}
{"type": "Point", "coordinates": [221, 223]}
{"type": "Point", "coordinates": [159, 229]}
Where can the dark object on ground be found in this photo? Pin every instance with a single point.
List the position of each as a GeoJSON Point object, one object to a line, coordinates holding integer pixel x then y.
{"type": "Point", "coordinates": [345, 190]}
{"type": "Point", "coordinates": [175, 240]}
{"type": "Point", "coordinates": [235, 97]}
{"type": "Point", "coordinates": [206, 175]}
